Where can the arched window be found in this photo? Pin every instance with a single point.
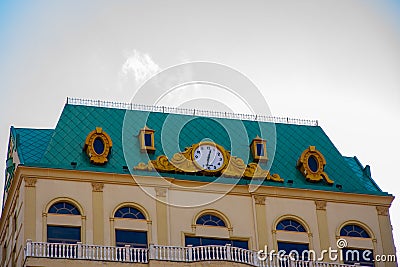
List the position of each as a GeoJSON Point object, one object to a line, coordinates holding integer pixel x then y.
{"type": "Point", "coordinates": [298, 242]}
{"type": "Point", "coordinates": [129, 212]}
{"type": "Point", "coordinates": [210, 220]}
{"type": "Point", "coordinates": [61, 233]}
{"type": "Point", "coordinates": [218, 235]}
{"type": "Point", "coordinates": [290, 225]}
{"type": "Point", "coordinates": [135, 237]}
{"type": "Point", "coordinates": [353, 231]}
{"type": "Point", "coordinates": [352, 255]}
{"type": "Point", "coordinates": [64, 208]}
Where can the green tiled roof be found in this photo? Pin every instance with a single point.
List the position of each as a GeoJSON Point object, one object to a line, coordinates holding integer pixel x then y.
{"type": "Point", "coordinates": [173, 132]}
{"type": "Point", "coordinates": [32, 143]}
{"type": "Point", "coordinates": [361, 173]}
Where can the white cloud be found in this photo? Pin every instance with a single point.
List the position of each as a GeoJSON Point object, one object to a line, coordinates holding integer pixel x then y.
{"type": "Point", "coordinates": [140, 65]}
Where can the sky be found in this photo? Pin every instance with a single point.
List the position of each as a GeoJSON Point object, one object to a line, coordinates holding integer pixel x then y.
{"type": "Point", "coordinates": [337, 61]}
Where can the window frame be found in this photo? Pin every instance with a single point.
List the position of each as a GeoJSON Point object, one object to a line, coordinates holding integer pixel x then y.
{"type": "Point", "coordinates": [132, 231]}
{"type": "Point", "coordinates": [130, 224]}
{"type": "Point", "coordinates": [211, 215]}
{"type": "Point", "coordinates": [65, 227]}
{"type": "Point", "coordinates": [71, 220]}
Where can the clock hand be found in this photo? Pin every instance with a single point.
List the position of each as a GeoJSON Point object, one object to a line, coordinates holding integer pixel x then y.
{"type": "Point", "coordinates": [208, 157]}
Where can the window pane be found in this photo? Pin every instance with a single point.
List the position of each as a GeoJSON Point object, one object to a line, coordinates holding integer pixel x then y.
{"type": "Point", "coordinates": [313, 163]}
{"type": "Point", "coordinates": [260, 150]}
{"type": "Point", "coordinates": [207, 241]}
{"type": "Point", "coordinates": [298, 247]}
{"type": "Point", "coordinates": [353, 231]}
{"type": "Point", "coordinates": [240, 244]}
{"type": "Point", "coordinates": [210, 220]}
{"type": "Point", "coordinates": [147, 140]}
{"type": "Point", "coordinates": [213, 241]}
{"type": "Point", "coordinates": [63, 234]}
{"type": "Point", "coordinates": [98, 146]}
{"type": "Point", "coordinates": [129, 212]}
{"type": "Point", "coordinates": [194, 241]}
{"type": "Point", "coordinates": [64, 208]}
{"type": "Point", "coordinates": [290, 225]}
{"type": "Point", "coordinates": [135, 239]}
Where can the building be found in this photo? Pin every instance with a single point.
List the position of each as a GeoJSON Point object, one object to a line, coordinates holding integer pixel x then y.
{"type": "Point", "coordinates": [115, 183]}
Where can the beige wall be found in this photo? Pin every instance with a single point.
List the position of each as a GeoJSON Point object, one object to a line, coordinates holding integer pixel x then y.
{"type": "Point", "coordinates": [240, 219]}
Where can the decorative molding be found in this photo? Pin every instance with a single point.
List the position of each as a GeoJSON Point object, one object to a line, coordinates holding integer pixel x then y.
{"type": "Point", "coordinates": [254, 151]}
{"type": "Point", "coordinates": [30, 182]}
{"type": "Point", "coordinates": [161, 192]}
{"type": "Point", "coordinates": [259, 200]}
{"type": "Point", "coordinates": [254, 171]}
{"type": "Point", "coordinates": [97, 187]}
{"type": "Point", "coordinates": [95, 158]}
{"type": "Point", "coordinates": [274, 232]}
{"type": "Point", "coordinates": [142, 133]}
{"type": "Point", "coordinates": [382, 210]}
{"type": "Point", "coordinates": [183, 162]}
{"type": "Point", "coordinates": [320, 204]}
{"type": "Point", "coordinates": [310, 174]}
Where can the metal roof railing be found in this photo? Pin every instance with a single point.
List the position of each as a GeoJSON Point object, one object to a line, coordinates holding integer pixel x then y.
{"type": "Point", "coordinates": [193, 112]}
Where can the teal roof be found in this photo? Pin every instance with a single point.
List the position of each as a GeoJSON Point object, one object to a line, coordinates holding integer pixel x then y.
{"type": "Point", "coordinates": [362, 173]}
{"type": "Point", "coordinates": [59, 147]}
{"type": "Point", "coordinates": [32, 143]}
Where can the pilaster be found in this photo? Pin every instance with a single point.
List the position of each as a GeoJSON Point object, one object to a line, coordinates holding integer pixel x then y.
{"type": "Point", "coordinates": [261, 220]}
{"type": "Point", "coordinates": [98, 213]}
{"type": "Point", "coordinates": [385, 228]}
{"type": "Point", "coordinates": [162, 216]}
{"type": "Point", "coordinates": [323, 230]}
{"type": "Point", "coordinates": [30, 209]}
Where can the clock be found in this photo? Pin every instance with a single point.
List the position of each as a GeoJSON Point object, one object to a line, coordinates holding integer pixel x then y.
{"type": "Point", "coordinates": [208, 157]}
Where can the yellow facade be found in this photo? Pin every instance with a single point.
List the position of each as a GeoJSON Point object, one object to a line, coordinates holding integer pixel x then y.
{"type": "Point", "coordinates": [251, 216]}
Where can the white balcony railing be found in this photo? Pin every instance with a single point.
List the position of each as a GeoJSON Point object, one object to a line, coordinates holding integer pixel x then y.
{"type": "Point", "coordinates": [85, 252]}
{"type": "Point", "coordinates": [164, 253]}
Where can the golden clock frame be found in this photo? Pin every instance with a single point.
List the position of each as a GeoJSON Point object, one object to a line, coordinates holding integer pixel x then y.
{"type": "Point", "coordinates": [319, 174]}
{"type": "Point", "coordinates": [225, 155]}
{"type": "Point", "coordinates": [95, 158]}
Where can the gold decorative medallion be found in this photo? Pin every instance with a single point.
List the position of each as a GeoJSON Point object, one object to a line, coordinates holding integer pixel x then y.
{"type": "Point", "coordinates": [311, 164]}
{"type": "Point", "coordinates": [98, 146]}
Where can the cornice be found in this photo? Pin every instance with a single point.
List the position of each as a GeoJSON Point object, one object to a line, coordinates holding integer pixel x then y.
{"type": "Point", "coordinates": [196, 186]}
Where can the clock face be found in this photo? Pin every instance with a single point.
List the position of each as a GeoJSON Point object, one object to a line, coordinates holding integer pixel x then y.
{"type": "Point", "coordinates": [208, 157]}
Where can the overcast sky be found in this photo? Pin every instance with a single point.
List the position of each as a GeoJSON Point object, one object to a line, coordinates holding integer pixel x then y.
{"type": "Point", "coordinates": [336, 61]}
